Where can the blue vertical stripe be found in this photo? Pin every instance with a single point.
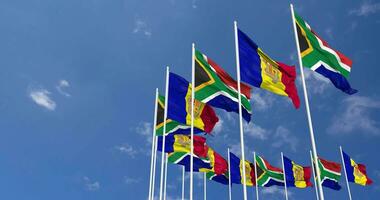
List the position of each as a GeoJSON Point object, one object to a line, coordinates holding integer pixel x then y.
{"type": "Point", "coordinates": [250, 62]}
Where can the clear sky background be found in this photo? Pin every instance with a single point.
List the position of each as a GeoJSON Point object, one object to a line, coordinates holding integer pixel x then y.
{"type": "Point", "coordinates": [77, 82]}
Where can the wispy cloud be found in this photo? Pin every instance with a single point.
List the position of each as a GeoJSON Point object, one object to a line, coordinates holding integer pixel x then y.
{"type": "Point", "coordinates": [127, 149]}
{"type": "Point", "coordinates": [130, 180]}
{"type": "Point", "coordinates": [316, 83]}
{"type": "Point", "coordinates": [91, 185]}
{"type": "Point", "coordinates": [145, 130]}
{"type": "Point", "coordinates": [366, 8]}
{"type": "Point", "coordinates": [262, 100]}
{"type": "Point", "coordinates": [218, 127]}
{"type": "Point", "coordinates": [41, 97]}
{"type": "Point", "coordinates": [356, 115]}
{"type": "Point", "coordinates": [256, 131]}
{"type": "Point", "coordinates": [142, 27]}
{"type": "Point", "coordinates": [284, 137]}
{"type": "Point", "coordinates": [194, 4]}
{"type": "Point", "coordinates": [62, 85]}
{"type": "Point", "coordinates": [329, 33]}
{"type": "Point", "coordinates": [274, 191]}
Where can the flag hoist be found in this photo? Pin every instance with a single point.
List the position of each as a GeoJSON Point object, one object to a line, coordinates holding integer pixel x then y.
{"type": "Point", "coordinates": [313, 145]}
{"type": "Point", "coordinates": [240, 109]}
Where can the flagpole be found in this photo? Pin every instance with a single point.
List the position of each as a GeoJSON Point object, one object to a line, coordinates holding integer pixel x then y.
{"type": "Point", "coordinates": [307, 105]}
{"type": "Point", "coordinates": [204, 187]}
{"type": "Point", "coordinates": [166, 174]}
{"type": "Point", "coordinates": [229, 175]}
{"type": "Point", "coordinates": [151, 185]}
{"type": "Point", "coordinates": [192, 119]}
{"type": "Point", "coordinates": [154, 166]}
{"type": "Point", "coordinates": [164, 133]}
{"type": "Point", "coordinates": [240, 109]}
{"type": "Point", "coordinates": [283, 169]}
{"type": "Point", "coordinates": [257, 184]}
{"type": "Point", "coordinates": [315, 180]}
{"type": "Point", "coordinates": [183, 182]}
{"type": "Point", "coordinates": [345, 172]}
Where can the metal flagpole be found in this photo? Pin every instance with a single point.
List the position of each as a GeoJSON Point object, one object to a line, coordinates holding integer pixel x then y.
{"type": "Point", "coordinates": [183, 182]}
{"type": "Point", "coordinates": [166, 174]}
{"type": "Point", "coordinates": [240, 109]}
{"type": "Point", "coordinates": [345, 172]}
{"type": "Point", "coordinates": [154, 166]}
{"type": "Point", "coordinates": [283, 169]}
{"type": "Point", "coordinates": [151, 184]}
{"type": "Point", "coordinates": [257, 184]}
{"type": "Point", "coordinates": [163, 160]}
{"type": "Point", "coordinates": [229, 175]}
{"type": "Point", "coordinates": [307, 104]}
{"type": "Point", "coordinates": [315, 180]}
{"type": "Point", "coordinates": [192, 119]}
{"type": "Point", "coordinates": [204, 187]}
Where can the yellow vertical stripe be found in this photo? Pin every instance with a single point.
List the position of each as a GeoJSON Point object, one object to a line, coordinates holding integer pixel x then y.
{"type": "Point", "coordinates": [360, 178]}
{"type": "Point", "coordinates": [198, 108]}
{"type": "Point", "coordinates": [271, 75]}
{"type": "Point", "coordinates": [248, 169]}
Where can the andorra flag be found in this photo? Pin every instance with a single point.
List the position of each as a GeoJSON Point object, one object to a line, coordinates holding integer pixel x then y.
{"type": "Point", "coordinates": [236, 170]}
{"type": "Point", "coordinates": [181, 143]}
{"type": "Point", "coordinates": [179, 105]}
{"type": "Point", "coordinates": [259, 70]}
{"type": "Point", "coordinates": [356, 173]}
{"type": "Point", "coordinates": [296, 175]}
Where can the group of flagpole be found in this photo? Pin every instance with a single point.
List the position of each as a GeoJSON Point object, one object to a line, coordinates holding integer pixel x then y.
{"type": "Point", "coordinates": [163, 177]}
{"type": "Point", "coordinates": [240, 109]}
{"type": "Point", "coordinates": [163, 159]}
{"type": "Point", "coordinates": [153, 157]}
{"type": "Point", "coordinates": [313, 145]}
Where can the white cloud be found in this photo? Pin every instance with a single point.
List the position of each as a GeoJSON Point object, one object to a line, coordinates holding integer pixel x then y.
{"type": "Point", "coordinates": [329, 32]}
{"type": "Point", "coordinates": [129, 180]}
{"type": "Point", "coordinates": [218, 127]}
{"type": "Point", "coordinates": [284, 137]}
{"type": "Point", "coordinates": [316, 83]}
{"type": "Point", "coordinates": [145, 130]}
{"type": "Point", "coordinates": [261, 101]}
{"type": "Point", "coordinates": [142, 27]}
{"type": "Point", "coordinates": [62, 84]}
{"type": "Point", "coordinates": [194, 4]}
{"type": "Point", "coordinates": [356, 115]}
{"type": "Point", "coordinates": [127, 149]}
{"type": "Point", "coordinates": [41, 97]}
{"type": "Point", "coordinates": [91, 185]}
{"type": "Point", "coordinates": [366, 8]}
{"type": "Point", "coordinates": [274, 191]}
{"type": "Point", "coordinates": [255, 131]}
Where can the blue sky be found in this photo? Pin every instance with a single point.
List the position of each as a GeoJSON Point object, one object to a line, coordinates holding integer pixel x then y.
{"type": "Point", "coordinates": [78, 78]}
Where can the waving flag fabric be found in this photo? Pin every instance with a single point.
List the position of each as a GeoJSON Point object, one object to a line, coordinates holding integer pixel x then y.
{"type": "Point", "coordinates": [236, 170]}
{"type": "Point", "coordinates": [320, 57]}
{"type": "Point", "coordinates": [259, 70]}
{"type": "Point", "coordinates": [330, 173]}
{"type": "Point", "coordinates": [296, 175]}
{"type": "Point", "coordinates": [222, 178]}
{"type": "Point", "coordinates": [183, 158]}
{"type": "Point", "coordinates": [181, 143]}
{"type": "Point", "coordinates": [215, 87]}
{"type": "Point", "coordinates": [179, 105]}
{"type": "Point", "coordinates": [172, 127]}
{"type": "Point", "coordinates": [267, 175]}
{"type": "Point", "coordinates": [356, 173]}
{"type": "Point", "coordinates": [219, 167]}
